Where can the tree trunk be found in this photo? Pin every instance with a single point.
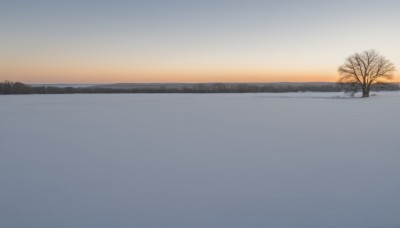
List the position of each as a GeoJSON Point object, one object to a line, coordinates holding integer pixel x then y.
{"type": "Point", "coordinates": [365, 92]}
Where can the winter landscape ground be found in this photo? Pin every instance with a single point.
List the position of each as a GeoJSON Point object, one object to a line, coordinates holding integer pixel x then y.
{"type": "Point", "coordinates": [304, 160]}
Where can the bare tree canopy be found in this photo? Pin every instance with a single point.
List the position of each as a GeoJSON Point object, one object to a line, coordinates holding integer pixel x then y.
{"type": "Point", "coordinates": [365, 69]}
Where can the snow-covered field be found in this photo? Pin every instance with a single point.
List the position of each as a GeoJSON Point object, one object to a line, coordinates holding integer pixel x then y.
{"type": "Point", "coordinates": [304, 160]}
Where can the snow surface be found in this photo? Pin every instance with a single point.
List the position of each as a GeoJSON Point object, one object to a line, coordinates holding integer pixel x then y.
{"type": "Point", "coordinates": [212, 160]}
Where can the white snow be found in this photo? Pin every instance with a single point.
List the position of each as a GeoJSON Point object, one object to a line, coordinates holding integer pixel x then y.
{"type": "Point", "coordinates": [304, 160]}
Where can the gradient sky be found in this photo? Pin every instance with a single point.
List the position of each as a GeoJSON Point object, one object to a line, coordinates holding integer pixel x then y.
{"type": "Point", "coordinates": [78, 41]}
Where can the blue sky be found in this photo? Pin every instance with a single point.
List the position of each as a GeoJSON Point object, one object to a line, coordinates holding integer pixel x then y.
{"type": "Point", "coordinates": [149, 41]}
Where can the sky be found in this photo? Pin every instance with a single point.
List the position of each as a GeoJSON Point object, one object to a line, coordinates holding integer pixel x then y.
{"type": "Point", "coordinates": [87, 41]}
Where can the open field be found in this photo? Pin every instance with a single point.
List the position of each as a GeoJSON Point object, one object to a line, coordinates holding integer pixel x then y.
{"type": "Point", "coordinates": [305, 160]}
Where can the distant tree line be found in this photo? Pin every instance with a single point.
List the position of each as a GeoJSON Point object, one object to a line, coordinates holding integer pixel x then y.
{"type": "Point", "coordinates": [8, 87]}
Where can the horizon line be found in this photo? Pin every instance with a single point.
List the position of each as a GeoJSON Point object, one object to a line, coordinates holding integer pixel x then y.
{"type": "Point", "coordinates": [210, 82]}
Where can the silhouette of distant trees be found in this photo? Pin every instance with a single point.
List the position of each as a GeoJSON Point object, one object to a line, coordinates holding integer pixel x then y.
{"type": "Point", "coordinates": [8, 87]}
{"type": "Point", "coordinates": [362, 70]}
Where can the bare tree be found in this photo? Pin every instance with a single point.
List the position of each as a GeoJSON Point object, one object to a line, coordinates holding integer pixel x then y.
{"type": "Point", "coordinates": [362, 70]}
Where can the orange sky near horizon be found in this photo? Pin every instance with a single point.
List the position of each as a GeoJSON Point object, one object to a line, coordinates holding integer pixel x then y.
{"type": "Point", "coordinates": [86, 76]}
{"type": "Point", "coordinates": [82, 75]}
